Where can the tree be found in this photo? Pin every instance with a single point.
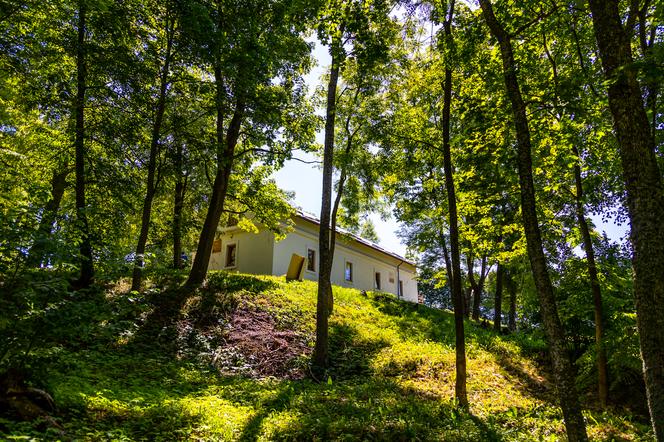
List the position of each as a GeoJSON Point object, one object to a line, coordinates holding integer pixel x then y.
{"type": "Point", "coordinates": [360, 26]}
{"type": "Point", "coordinates": [645, 195]}
{"type": "Point", "coordinates": [85, 248]}
{"type": "Point", "coordinates": [247, 45]}
{"type": "Point", "coordinates": [167, 19]}
{"type": "Point", "coordinates": [457, 294]}
{"type": "Point", "coordinates": [569, 401]}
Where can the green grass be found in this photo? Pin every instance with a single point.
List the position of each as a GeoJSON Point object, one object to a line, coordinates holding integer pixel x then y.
{"type": "Point", "coordinates": [115, 376]}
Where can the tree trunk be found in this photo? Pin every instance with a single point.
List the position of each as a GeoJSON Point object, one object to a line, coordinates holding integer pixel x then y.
{"type": "Point", "coordinates": [85, 248]}
{"type": "Point", "coordinates": [511, 288]}
{"type": "Point", "coordinates": [152, 161]}
{"type": "Point", "coordinates": [564, 376]}
{"type": "Point", "coordinates": [478, 289]}
{"type": "Point", "coordinates": [220, 187]}
{"type": "Point", "coordinates": [645, 196]}
{"type": "Point", "coordinates": [460, 392]}
{"type": "Point", "coordinates": [602, 371]}
{"type": "Point", "coordinates": [58, 186]}
{"type": "Point", "coordinates": [320, 356]}
{"type": "Point", "coordinates": [470, 263]}
{"type": "Point", "coordinates": [476, 286]}
{"type": "Point", "coordinates": [333, 235]}
{"type": "Point", "coordinates": [498, 301]}
{"type": "Point", "coordinates": [178, 204]}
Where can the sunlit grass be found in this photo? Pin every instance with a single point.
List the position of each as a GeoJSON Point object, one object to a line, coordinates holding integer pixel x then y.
{"type": "Point", "coordinates": [392, 378]}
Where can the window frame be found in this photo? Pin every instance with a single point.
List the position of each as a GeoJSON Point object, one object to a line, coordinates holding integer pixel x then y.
{"type": "Point", "coordinates": [378, 282]}
{"type": "Point", "coordinates": [229, 245]}
{"type": "Point", "coordinates": [313, 269]}
{"type": "Point", "coordinates": [346, 264]}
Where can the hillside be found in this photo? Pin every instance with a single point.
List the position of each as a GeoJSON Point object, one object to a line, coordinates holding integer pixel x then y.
{"type": "Point", "coordinates": [233, 366]}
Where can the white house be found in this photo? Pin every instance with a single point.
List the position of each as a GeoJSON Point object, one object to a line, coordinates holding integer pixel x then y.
{"type": "Point", "coordinates": [357, 262]}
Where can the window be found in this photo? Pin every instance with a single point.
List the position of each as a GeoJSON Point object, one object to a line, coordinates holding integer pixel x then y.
{"type": "Point", "coordinates": [400, 288]}
{"type": "Point", "coordinates": [348, 272]}
{"type": "Point", "coordinates": [216, 246]}
{"type": "Point", "coordinates": [391, 277]}
{"type": "Point", "coordinates": [231, 255]}
{"type": "Point", "coordinates": [311, 260]}
{"type": "Point", "coordinates": [377, 280]}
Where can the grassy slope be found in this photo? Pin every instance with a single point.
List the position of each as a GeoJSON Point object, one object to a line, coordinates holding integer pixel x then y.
{"type": "Point", "coordinates": [392, 377]}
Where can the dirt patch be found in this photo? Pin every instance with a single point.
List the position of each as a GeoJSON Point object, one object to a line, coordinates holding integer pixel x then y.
{"type": "Point", "coordinates": [254, 346]}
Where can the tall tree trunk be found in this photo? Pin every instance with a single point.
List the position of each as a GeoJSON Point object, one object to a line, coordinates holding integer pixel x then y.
{"type": "Point", "coordinates": [58, 186]}
{"type": "Point", "coordinates": [602, 371]}
{"type": "Point", "coordinates": [220, 187]}
{"type": "Point", "coordinates": [320, 356]}
{"type": "Point", "coordinates": [151, 187]}
{"type": "Point", "coordinates": [178, 204]}
{"type": "Point", "coordinates": [85, 248]}
{"type": "Point", "coordinates": [498, 301]}
{"type": "Point", "coordinates": [460, 392]}
{"type": "Point", "coordinates": [568, 396]}
{"type": "Point", "coordinates": [645, 196]}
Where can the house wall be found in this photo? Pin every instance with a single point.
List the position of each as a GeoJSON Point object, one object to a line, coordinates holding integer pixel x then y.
{"type": "Point", "coordinates": [259, 253]}
{"type": "Point", "coordinates": [253, 254]}
{"type": "Point", "coordinates": [365, 260]}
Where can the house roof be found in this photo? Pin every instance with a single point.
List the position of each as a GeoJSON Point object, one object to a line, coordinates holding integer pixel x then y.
{"type": "Point", "coordinates": [313, 219]}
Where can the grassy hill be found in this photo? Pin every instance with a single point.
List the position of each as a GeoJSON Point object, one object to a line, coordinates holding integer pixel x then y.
{"type": "Point", "coordinates": [232, 365]}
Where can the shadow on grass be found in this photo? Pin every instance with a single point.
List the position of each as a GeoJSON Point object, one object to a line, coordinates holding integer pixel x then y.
{"type": "Point", "coordinates": [372, 409]}
{"type": "Point", "coordinates": [160, 422]}
{"type": "Point", "coordinates": [417, 321]}
{"type": "Point", "coordinates": [350, 356]}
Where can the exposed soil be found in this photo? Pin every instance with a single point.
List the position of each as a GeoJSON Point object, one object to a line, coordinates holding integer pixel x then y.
{"type": "Point", "coordinates": [255, 346]}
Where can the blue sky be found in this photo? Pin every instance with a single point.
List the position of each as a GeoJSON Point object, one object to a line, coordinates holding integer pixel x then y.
{"type": "Point", "coordinates": [305, 180]}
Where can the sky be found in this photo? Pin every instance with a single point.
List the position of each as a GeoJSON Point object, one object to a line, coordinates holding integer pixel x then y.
{"type": "Point", "coordinates": [306, 180]}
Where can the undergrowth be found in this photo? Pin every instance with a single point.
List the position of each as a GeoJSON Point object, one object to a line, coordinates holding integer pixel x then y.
{"type": "Point", "coordinates": [119, 371]}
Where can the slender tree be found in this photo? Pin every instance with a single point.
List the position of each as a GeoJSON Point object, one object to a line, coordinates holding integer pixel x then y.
{"type": "Point", "coordinates": [85, 248]}
{"type": "Point", "coordinates": [155, 142]}
{"type": "Point", "coordinates": [323, 305]}
{"type": "Point", "coordinates": [568, 396]}
{"type": "Point", "coordinates": [362, 28]}
{"type": "Point", "coordinates": [460, 392]}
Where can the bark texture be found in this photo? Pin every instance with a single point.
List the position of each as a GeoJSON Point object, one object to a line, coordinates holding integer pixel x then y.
{"type": "Point", "coordinates": [645, 196]}
{"type": "Point", "coordinates": [86, 275]}
{"type": "Point", "coordinates": [460, 391]}
{"type": "Point", "coordinates": [320, 355]}
{"type": "Point", "coordinates": [564, 376]}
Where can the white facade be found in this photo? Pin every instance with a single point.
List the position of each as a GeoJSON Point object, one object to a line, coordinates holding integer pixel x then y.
{"type": "Point", "coordinates": [357, 263]}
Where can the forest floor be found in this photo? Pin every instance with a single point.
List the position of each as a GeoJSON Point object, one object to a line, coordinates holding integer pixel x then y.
{"type": "Point", "coordinates": [230, 362]}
